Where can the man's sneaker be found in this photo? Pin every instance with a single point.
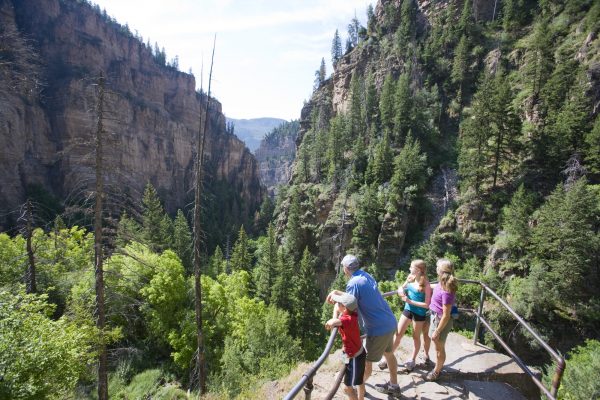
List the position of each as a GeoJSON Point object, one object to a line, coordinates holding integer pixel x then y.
{"type": "Point", "coordinates": [428, 363]}
{"type": "Point", "coordinates": [382, 364]}
{"type": "Point", "coordinates": [409, 365]}
{"type": "Point", "coordinates": [388, 388]}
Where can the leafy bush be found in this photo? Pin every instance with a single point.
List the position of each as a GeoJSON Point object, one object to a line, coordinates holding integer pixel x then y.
{"type": "Point", "coordinates": [580, 380]}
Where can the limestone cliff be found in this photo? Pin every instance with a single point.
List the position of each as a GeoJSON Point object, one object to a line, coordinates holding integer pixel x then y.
{"type": "Point", "coordinates": [152, 114]}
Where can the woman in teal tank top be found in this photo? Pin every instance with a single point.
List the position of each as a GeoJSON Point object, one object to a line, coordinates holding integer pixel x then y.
{"type": "Point", "coordinates": [416, 293]}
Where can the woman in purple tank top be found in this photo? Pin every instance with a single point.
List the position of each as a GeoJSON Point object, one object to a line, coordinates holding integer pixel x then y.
{"type": "Point", "coordinates": [444, 294]}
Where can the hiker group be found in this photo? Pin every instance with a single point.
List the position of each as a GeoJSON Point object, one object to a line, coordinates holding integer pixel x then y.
{"type": "Point", "coordinates": [428, 307]}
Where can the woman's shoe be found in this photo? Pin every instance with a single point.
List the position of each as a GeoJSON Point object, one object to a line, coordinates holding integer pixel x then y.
{"type": "Point", "coordinates": [432, 376]}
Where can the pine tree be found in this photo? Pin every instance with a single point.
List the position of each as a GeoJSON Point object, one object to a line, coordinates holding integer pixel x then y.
{"type": "Point", "coordinates": [182, 240]}
{"type": "Point", "coordinates": [266, 267]}
{"type": "Point", "coordinates": [371, 103]}
{"type": "Point", "coordinates": [515, 224]}
{"type": "Point", "coordinates": [592, 148]}
{"type": "Point", "coordinates": [505, 130]}
{"type": "Point", "coordinates": [216, 264]}
{"type": "Point", "coordinates": [366, 231]}
{"type": "Point", "coordinates": [410, 173]}
{"type": "Point", "coordinates": [241, 259]}
{"type": "Point", "coordinates": [403, 108]}
{"type": "Point", "coordinates": [335, 149]}
{"type": "Point", "coordinates": [154, 226]}
{"type": "Point", "coordinates": [359, 164]}
{"type": "Point", "coordinates": [539, 58]}
{"type": "Point", "coordinates": [306, 324]}
{"type": "Point", "coordinates": [336, 49]}
{"type": "Point", "coordinates": [356, 123]}
{"type": "Point", "coordinates": [406, 31]}
{"type": "Point", "coordinates": [465, 23]}
{"type": "Point", "coordinates": [565, 247]}
{"type": "Point", "coordinates": [281, 294]}
{"type": "Point", "coordinates": [379, 169]}
{"type": "Point", "coordinates": [459, 66]}
{"type": "Point", "coordinates": [386, 103]}
{"type": "Point", "coordinates": [294, 236]}
{"type": "Point", "coordinates": [320, 74]}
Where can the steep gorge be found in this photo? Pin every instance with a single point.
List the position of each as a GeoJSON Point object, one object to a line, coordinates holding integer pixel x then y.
{"type": "Point", "coordinates": [152, 116]}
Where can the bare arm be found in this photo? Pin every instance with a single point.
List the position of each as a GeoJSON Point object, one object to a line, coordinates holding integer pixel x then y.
{"type": "Point", "coordinates": [332, 322]}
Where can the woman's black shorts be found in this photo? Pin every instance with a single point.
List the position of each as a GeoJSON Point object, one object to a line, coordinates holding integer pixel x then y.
{"type": "Point", "coordinates": [411, 315]}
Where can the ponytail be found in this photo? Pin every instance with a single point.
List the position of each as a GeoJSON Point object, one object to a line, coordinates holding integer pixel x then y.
{"type": "Point", "coordinates": [420, 264]}
{"type": "Point", "coordinates": [445, 272]}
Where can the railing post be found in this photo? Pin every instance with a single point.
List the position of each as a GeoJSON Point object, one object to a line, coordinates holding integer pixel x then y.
{"type": "Point", "coordinates": [479, 313]}
{"type": "Point", "coordinates": [560, 368]}
{"type": "Point", "coordinates": [308, 388]}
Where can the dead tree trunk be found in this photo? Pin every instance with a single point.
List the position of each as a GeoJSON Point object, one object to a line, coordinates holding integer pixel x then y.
{"type": "Point", "coordinates": [30, 286]}
{"type": "Point", "coordinates": [98, 253]}
{"type": "Point", "coordinates": [199, 372]}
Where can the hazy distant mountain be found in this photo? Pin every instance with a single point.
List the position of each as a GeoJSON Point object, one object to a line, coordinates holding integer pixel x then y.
{"type": "Point", "coordinates": [251, 131]}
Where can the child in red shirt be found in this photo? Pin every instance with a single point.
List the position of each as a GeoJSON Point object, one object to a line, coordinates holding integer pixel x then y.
{"type": "Point", "coordinates": [346, 318]}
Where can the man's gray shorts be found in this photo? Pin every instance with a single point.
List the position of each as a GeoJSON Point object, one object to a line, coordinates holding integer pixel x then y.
{"type": "Point", "coordinates": [377, 345]}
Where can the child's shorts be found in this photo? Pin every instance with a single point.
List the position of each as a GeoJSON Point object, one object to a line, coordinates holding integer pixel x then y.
{"type": "Point", "coordinates": [435, 321]}
{"type": "Point", "coordinates": [355, 370]}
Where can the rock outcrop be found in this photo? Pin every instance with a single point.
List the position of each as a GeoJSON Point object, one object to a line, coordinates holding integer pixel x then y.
{"type": "Point", "coordinates": [151, 114]}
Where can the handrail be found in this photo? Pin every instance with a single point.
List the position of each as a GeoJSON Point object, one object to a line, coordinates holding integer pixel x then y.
{"type": "Point", "coordinates": [307, 377]}
{"type": "Point", "coordinates": [551, 394]}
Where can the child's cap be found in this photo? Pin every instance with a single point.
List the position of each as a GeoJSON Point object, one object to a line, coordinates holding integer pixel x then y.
{"type": "Point", "coordinates": [348, 300]}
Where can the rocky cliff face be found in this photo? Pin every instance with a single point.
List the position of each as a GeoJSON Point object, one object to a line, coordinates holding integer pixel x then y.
{"type": "Point", "coordinates": [151, 114]}
{"type": "Point", "coordinates": [276, 154]}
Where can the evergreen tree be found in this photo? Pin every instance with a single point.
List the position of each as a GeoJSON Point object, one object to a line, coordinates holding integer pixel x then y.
{"type": "Point", "coordinates": [513, 14]}
{"type": "Point", "coordinates": [294, 237]}
{"type": "Point", "coordinates": [336, 48]}
{"type": "Point", "coordinates": [366, 231]}
{"type": "Point", "coordinates": [265, 215]}
{"type": "Point", "coordinates": [356, 123]}
{"type": "Point", "coordinates": [459, 66]}
{"type": "Point", "coordinates": [539, 58]}
{"type": "Point", "coordinates": [216, 265]}
{"type": "Point", "coordinates": [266, 267]}
{"type": "Point", "coordinates": [379, 169]}
{"type": "Point", "coordinates": [465, 23]}
{"type": "Point", "coordinates": [371, 103]}
{"type": "Point", "coordinates": [306, 324]}
{"type": "Point", "coordinates": [515, 226]}
{"type": "Point", "coordinates": [155, 227]}
{"type": "Point", "coordinates": [386, 103]}
{"type": "Point", "coordinates": [371, 21]}
{"type": "Point", "coordinates": [410, 172]}
{"type": "Point", "coordinates": [406, 31]}
{"type": "Point", "coordinates": [565, 248]}
{"type": "Point", "coordinates": [182, 240]}
{"type": "Point", "coordinates": [505, 130]}
{"type": "Point", "coordinates": [281, 294]}
{"type": "Point", "coordinates": [320, 74]}
{"type": "Point", "coordinates": [335, 149]}
{"type": "Point", "coordinates": [128, 230]}
{"type": "Point", "coordinates": [359, 164]}
{"type": "Point", "coordinates": [592, 148]}
{"type": "Point", "coordinates": [403, 108]}
{"type": "Point", "coordinates": [353, 32]}
{"type": "Point", "coordinates": [241, 259]}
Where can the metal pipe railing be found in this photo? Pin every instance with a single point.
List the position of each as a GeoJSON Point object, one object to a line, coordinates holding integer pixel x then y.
{"type": "Point", "coordinates": [560, 361]}
{"type": "Point", "coordinates": [308, 376]}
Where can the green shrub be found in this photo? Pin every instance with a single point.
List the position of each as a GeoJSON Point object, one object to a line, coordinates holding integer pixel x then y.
{"type": "Point", "coordinates": [580, 380]}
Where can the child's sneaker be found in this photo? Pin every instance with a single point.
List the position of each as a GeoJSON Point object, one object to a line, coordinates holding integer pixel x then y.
{"type": "Point", "coordinates": [388, 388]}
{"type": "Point", "coordinates": [409, 365]}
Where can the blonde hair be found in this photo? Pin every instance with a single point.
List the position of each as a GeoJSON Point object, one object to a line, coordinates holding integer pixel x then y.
{"type": "Point", "coordinates": [419, 264]}
{"type": "Point", "coordinates": [445, 272]}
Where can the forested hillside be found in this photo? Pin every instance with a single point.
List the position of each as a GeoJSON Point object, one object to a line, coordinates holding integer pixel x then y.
{"type": "Point", "coordinates": [507, 98]}
{"type": "Point", "coordinates": [465, 129]}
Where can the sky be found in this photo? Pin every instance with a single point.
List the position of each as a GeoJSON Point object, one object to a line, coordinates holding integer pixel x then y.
{"type": "Point", "coordinates": [266, 53]}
